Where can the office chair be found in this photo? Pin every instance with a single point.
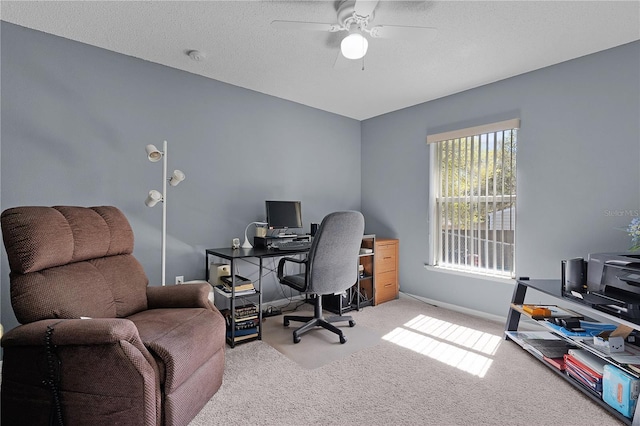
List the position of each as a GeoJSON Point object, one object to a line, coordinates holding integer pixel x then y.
{"type": "Point", "coordinates": [330, 267]}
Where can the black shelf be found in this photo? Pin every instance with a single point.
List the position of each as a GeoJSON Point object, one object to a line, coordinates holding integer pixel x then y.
{"type": "Point", "coordinates": [554, 288]}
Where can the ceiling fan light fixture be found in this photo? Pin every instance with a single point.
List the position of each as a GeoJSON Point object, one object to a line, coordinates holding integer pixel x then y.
{"type": "Point", "coordinates": [354, 46]}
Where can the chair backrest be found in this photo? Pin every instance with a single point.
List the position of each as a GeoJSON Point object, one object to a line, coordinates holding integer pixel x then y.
{"type": "Point", "coordinates": [68, 262]}
{"type": "Point", "coordinates": [333, 257]}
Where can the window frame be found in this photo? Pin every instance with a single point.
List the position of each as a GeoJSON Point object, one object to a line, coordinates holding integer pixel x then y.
{"type": "Point", "coordinates": [434, 214]}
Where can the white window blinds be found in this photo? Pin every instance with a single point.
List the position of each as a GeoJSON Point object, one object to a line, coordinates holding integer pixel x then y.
{"type": "Point", "coordinates": [476, 198]}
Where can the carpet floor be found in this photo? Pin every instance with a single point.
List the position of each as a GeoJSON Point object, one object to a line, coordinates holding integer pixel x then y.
{"type": "Point", "coordinates": [430, 366]}
{"type": "Point", "coordinates": [320, 346]}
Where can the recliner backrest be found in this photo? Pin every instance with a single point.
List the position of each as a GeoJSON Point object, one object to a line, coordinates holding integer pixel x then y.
{"type": "Point", "coordinates": [333, 257]}
{"type": "Point", "coordinates": [68, 262]}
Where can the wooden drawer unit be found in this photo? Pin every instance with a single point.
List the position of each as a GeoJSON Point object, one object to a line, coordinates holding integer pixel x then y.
{"type": "Point", "coordinates": [386, 270]}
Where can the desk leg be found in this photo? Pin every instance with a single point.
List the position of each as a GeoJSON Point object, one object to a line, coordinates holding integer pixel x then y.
{"type": "Point", "coordinates": [513, 318]}
{"type": "Point", "coordinates": [232, 306]}
{"type": "Point", "coordinates": [206, 266]}
{"type": "Point", "coordinates": [260, 300]}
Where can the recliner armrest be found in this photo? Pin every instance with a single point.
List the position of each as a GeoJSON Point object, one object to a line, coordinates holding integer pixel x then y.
{"type": "Point", "coordinates": [100, 366]}
{"type": "Point", "coordinates": [94, 331]}
{"type": "Point", "coordinates": [179, 296]}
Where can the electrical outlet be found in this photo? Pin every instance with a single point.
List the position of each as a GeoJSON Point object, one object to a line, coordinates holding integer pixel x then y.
{"type": "Point", "coordinates": [179, 279]}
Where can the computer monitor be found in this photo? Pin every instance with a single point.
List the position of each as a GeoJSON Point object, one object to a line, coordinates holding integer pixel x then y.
{"type": "Point", "coordinates": [284, 214]}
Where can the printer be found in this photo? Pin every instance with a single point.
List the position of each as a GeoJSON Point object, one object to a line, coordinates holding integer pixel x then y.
{"type": "Point", "coordinates": [613, 283]}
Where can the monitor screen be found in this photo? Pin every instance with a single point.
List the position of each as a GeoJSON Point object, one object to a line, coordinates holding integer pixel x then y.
{"type": "Point", "coordinates": [284, 214]}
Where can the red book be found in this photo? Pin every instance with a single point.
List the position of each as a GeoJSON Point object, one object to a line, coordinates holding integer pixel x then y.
{"type": "Point", "coordinates": [556, 362]}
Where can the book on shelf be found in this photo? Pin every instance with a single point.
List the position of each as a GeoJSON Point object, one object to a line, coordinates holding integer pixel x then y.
{"type": "Point", "coordinates": [240, 280]}
{"type": "Point", "coordinates": [588, 361]}
{"type": "Point", "coordinates": [243, 322]}
{"type": "Point", "coordinates": [244, 314]}
{"type": "Point", "coordinates": [585, 371]}
{"type": "Point", "coordinates": [241, 338]}
{"type": "Point", "coordinates": [247, 309]}
{"type": "Point", "coordinates": [586, 368]}
{"type": "Point", "coordinates": [244, 287]}
{"type": "Point", "coordinates": [227, 290]}
{"type": "Point", "coordinates": [240, 287]}
{"type": "Point", "coordinates": [595, 388]}
{"type": "Point", "coordinates": [246, 323]}
{"type": "Point", "coordinates": [244, 334]}
{"type": "Point", "coordinates": [556, 362]}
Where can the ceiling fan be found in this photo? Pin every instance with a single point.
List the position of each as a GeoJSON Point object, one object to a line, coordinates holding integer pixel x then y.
{"type": "Point", "coordinates": [356, 17]}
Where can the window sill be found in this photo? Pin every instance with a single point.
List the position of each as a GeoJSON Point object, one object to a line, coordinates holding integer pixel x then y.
{"type": "Point", "coordinates": [471, 274]}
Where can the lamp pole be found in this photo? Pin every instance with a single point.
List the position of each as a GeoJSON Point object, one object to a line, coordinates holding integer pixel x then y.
{"type": "Point", "coordinates": [153, 154]}
{"type": "Point", "coordinates": [164, 211]}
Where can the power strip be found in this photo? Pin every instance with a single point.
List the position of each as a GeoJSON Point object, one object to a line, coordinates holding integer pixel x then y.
{"type": "Point", "coordinates": [271, 312]}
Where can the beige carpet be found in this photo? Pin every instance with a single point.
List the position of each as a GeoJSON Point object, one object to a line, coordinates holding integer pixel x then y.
{"type": "Point", "coordinates": [317, 347]}
{"type": "Point", "coordinates": [431, 366]}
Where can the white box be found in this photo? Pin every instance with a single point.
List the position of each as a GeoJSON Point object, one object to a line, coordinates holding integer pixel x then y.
{"type": "Point", "coordinates": [612, 341]}
{"type": "Point", "coordinates": [609, 345]}
{"type": "Point", "coordinates": [217, 270]}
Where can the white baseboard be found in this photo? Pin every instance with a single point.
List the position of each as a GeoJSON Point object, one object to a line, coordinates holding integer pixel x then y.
{"type": "Point", "coordinates": [457, 308]}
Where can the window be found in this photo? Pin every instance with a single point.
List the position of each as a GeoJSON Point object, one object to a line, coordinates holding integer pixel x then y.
{"type": "Point", "coordinates": [474, 197]}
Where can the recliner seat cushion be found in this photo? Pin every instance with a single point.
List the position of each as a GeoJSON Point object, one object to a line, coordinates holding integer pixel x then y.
{"type": "Point", "coordinates": [182, 340]}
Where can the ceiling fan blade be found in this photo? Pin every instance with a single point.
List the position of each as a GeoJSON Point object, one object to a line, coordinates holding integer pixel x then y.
{"type": "Point", "coordinates": [398, 31]}
{"type": "Point", "coordinates": [365, 7]}
{"type": "Point", "coordinates": [308, 26]}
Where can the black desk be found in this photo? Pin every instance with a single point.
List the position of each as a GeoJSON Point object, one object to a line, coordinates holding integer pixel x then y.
{"type": "Point", "coordinates": [232, 255]}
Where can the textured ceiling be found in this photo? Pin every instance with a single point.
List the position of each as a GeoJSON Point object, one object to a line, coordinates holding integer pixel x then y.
{"type": "Point", "coordinates": [478, 42]}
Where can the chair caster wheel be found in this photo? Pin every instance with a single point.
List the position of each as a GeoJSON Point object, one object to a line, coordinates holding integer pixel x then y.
{"type": "Point", "coordinates": [352, 323]}
{"type": "Point", "coordinates": [343, 340]}
{"type": "Point", "coordinates": [296, 339]}
{"type": "Point", "coordinates": [286, 323]}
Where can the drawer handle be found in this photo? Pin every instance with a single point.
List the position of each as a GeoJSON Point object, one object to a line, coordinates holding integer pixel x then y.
{"type": "Point", "coordinates": [388, 285]}
{"type": "Point", "coordinates": [387, 257]}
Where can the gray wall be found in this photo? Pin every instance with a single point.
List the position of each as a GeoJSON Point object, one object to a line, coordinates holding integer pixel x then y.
{"type": "Point", "coordinates": [578, 170]}
{"type": "Point", "coordinates": [75, 122]}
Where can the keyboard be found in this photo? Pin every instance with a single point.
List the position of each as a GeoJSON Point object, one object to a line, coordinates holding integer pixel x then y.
{"type": "Point", "coordinates": [293, 245]}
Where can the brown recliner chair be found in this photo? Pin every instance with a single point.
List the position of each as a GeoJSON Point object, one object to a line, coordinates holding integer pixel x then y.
{"type": "Point", "coordinates": [98, 346]}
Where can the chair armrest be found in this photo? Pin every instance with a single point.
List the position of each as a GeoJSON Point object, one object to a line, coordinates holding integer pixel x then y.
{"type": "Point", "coordinates": [284, 260]}
{"type": "Point", "coordinates": [92, 363]}
{"type": "Point", "coordinates": [179, 296]}
{"type": "Point", "coordinates": [94, 331]}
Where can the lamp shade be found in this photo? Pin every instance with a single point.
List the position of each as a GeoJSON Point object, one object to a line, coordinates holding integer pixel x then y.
{"type": "Point", "coordinates": [354, 46]}
{"type": "Point", "coordinates": [153, 198]}
{"type": "Point", "coordinates": [176, 178]}
{"type": "Point", "coordinates": [153, 153]}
